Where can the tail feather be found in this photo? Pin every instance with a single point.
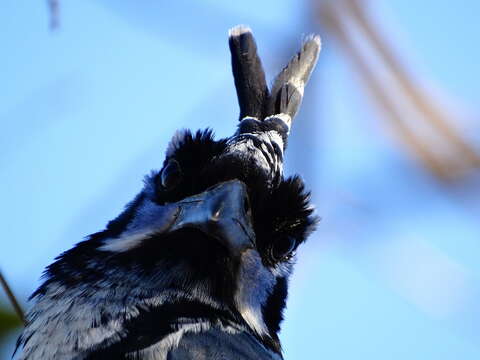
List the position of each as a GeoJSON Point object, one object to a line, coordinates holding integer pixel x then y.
{"type": "Point", "coordinates": [287, 90]}
{"type": "Point", "coordinates": [252, 90]}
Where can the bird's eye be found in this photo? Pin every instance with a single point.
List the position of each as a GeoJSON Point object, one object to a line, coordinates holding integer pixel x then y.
{"type": "Point", "coordinates": [171, 175]}
{"type": "Point", "coordinates": [283, 248]}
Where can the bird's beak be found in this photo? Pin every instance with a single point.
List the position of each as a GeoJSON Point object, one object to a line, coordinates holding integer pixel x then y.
{"type": "Point", "coordinates": [222, 212]}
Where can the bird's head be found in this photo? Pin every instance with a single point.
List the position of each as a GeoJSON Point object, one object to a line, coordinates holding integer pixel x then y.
{"type": "Point", "coordinates": [212, 236]}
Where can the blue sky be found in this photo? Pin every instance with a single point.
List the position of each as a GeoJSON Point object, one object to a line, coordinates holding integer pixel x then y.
{"type": "Point", "coordinates": [87, 110]}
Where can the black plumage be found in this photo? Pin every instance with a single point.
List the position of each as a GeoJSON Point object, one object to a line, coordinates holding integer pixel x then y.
{"type": "Point", "coordinates": [197, 265]}
{"type": "Point", "coordinates": [252, 90]}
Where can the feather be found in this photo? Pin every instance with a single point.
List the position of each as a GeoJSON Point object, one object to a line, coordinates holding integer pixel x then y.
{"type": "Point", "coordinates": [287, 90]}
{"type": "Point", "coordinates": [252, 90]}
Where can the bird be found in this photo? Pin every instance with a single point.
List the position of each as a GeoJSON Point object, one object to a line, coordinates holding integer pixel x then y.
{"type": "Point", "coordinates": [197, 265]}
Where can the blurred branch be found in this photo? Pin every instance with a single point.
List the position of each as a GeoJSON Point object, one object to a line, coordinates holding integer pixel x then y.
{"type": "Point", "coordinates": [461, 157]}
{"type": "Point", "coordinates": [54, 12]}
{"type": "Point", "coordinates": [331, 20]}
{"type": "Point", "coordinates": [420, 99]}
{"type": "Point", "coordinates": [12, 298]}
